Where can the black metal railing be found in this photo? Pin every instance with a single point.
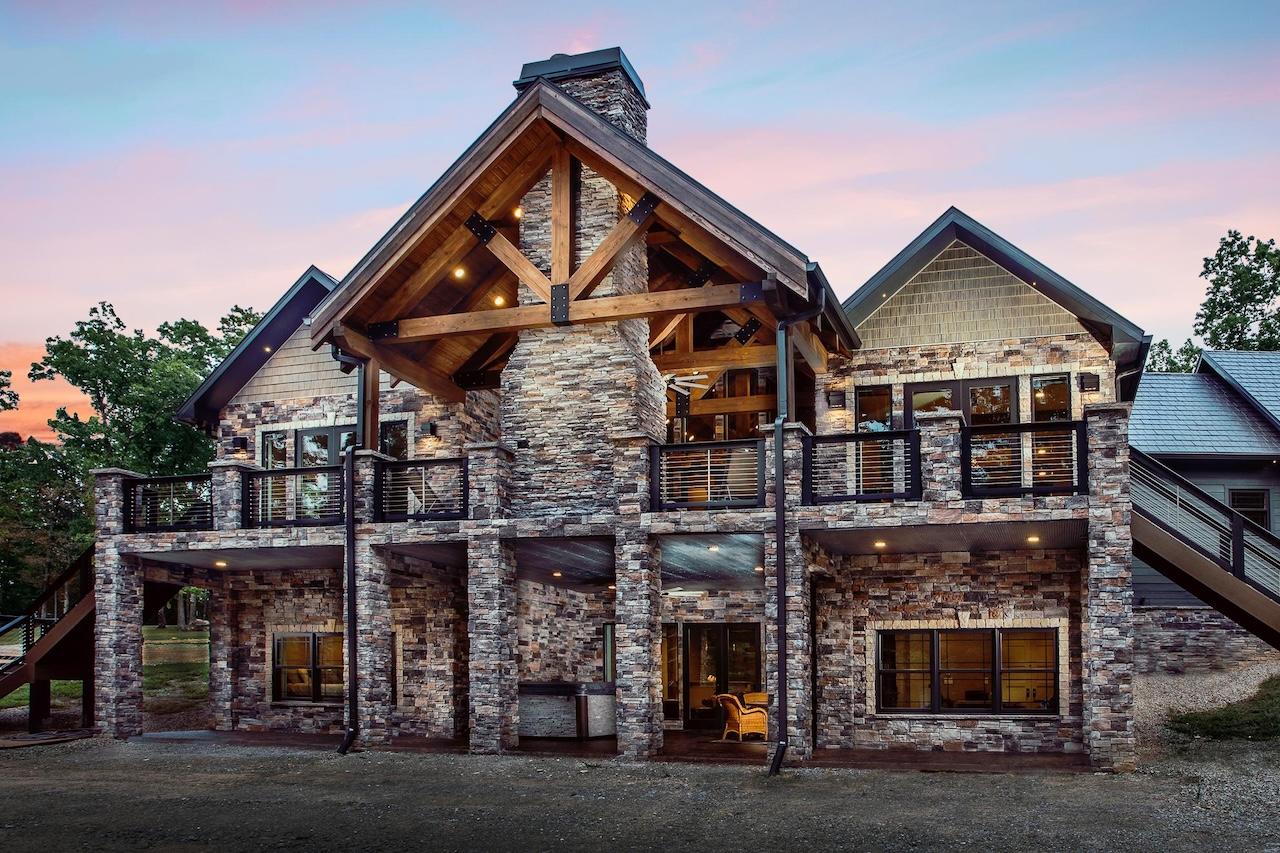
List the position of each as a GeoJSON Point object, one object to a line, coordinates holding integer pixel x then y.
{"type": "Point", "coordinates": [168, 503]}
{"type": "Point", "coordinates": [288, 497]}
{"type": "Point", "coordinates": [707, 475]}
{"type": "Point", "coordinates": [1196, 518]}
{"type": "Point", "coordinates": [862, 466]}
{"type": "Point", "coordinates": [19, 633]}
{"type": "Point", "coordinates": [420, 489]}
{"type": "Point", "coordinates": [1000, 460]}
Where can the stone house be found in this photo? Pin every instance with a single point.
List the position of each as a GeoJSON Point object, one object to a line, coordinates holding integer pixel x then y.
{"type": "Point", "coordinates": [579, 448]}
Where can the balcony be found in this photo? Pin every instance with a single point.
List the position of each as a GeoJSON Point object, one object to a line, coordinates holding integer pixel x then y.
{"type": "Point", "coordinates": [420, 490]}
{"type": "Point", "coordinates": [707, 475]}
{"type": "Point", "coordinates": [1010, 460]}
{"type": "Point", "coordinates": [159, 504]}
{"type": "Point", "coordinates": [866, 466]}
{"type": "Point", "coordinates": [293, 497]}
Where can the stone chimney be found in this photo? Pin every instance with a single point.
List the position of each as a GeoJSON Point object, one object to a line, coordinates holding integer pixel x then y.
{"type": "Point", "coordinates": [567, 391]}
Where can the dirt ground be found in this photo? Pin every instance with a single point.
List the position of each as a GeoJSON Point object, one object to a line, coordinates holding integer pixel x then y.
{"type": "Point", "coordinates": [109, 795]}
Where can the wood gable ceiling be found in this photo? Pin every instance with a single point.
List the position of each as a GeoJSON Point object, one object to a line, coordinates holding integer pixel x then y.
{"type": "Point", "coordinates": [446, 274]}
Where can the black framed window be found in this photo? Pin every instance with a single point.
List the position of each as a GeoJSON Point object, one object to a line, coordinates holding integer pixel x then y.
{"type": "Point", "coordinates": [981, 401]}
{"type": "Point", "coordinates": [1252, 504]}
{"type": "Point", "coordinates": [967, 671]}
{"type": "Point", "coordinates": [873, 408]}
{"type": "Point", "coordinates": [275, 449]}
{"type": "Point", "coordinates": [393, 439]}
{"type": "Point", "coordinates": [1051, 398]}
{"type": "Point", "coordinates": [324, 445]}
{"type": "Point", "coordinates": [307, 667]}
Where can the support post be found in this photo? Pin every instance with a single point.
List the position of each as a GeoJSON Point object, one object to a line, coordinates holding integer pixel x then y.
{"type": "Point", "coordinates": [491, 629]}
{"type": "Point", "coordinates": [39, 704]}
{"type": "Point", "coordinates": [639, 633]}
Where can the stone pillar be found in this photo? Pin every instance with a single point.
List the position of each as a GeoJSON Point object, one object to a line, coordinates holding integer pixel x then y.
{"type": "Point", "coordinates": [799, 725]}
{"type": "Point", "coordinates": [1106, 621]}
{"type": "Point", "coordinates": [940, 476]}
{"type": "Point", "coordinates": [366, 476]}
{"type": "Point", "coordinates": [631, 472]}
{"type": "Point", "coordinates": [639, 636]}
{"type": "Point", "coordinates": [222, 644]}
{"type": "Point", "coordinates": [488, 479]}
{"type": "Point", "coordinates": [375, 645]}
{"type": "Point", "coordinates": [228, 476]}
{"type": "Point", "coordinates": [492, 658]}
{"type": "Point", "coordinates": [118, 617]}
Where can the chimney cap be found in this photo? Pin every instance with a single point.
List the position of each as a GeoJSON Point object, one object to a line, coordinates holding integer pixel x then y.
{"type": "Point", "coordinates": [563, 66]}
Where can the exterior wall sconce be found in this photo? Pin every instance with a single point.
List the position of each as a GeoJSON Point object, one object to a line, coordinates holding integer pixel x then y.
{"type": "Point", "coordinates": [835, 400]}
{"type": "Point", "coordinates": [428, 428]}
{"type": "Point", "coordinates": [240, 442]}
{"type": "Point", "coordinates": [1089, 382]}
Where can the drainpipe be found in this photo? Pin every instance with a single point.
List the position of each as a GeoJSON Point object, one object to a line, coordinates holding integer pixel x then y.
{"type": "Point", "coordinates": [349, 558]}
{"type": "Point", "coordinates": [783, 343]}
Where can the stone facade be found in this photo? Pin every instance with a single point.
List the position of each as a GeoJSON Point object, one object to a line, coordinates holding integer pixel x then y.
{"type": "Point", "coordinates": [561, 632]}
{"type": "Point", "coordinates": [1174, 640]}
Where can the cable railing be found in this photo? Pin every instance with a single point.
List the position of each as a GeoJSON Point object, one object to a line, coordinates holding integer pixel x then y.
{"type": "Point", "coordinates": [168, 503]}
{"type": "Point", "coordinates": [289, 497]}
{"type": "Point", "coordinates": [420, 489]}
{"type": "Point", "coordinates": [1005, 460]}
{"type": "Point", "coordinates": [708, 475]}
{"type": "Point", "coordinates": [19, 633]}
{"type": "Point", "coordinates": [1196, 518]}
{"type": "Point", "coordinates": [862, 466]}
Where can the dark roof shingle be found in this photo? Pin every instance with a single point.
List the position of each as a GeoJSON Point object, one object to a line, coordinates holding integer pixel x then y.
{"type": "Point", "coordinates": [1197, 413]}
{"type": "Point", "coordinates": [1257, 374]}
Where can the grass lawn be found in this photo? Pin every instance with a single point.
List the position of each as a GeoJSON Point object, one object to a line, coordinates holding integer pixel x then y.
{"type": "Point", "coordinates": [170, 635]}
{"type": "Point", "coordinates": [65, 694]}
{"type": "Point", "coordinates": [1255, 718]}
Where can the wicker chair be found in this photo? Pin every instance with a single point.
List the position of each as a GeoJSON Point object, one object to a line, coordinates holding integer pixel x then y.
{"type": "Point", "coordinates": [742, 721]}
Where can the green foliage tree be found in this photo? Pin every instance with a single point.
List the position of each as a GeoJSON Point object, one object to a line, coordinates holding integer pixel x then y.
{"type": "Point", "coordinates": [1162, 358]}
{"type": "Point", "coordinates": [134, 384]}
{"type": "Point", "coordinates": [1241, 308]}
{"type": "Point", "coordinates": [8, 397]}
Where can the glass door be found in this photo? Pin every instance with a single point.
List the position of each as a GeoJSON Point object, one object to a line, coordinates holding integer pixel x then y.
{"type": "Point", "coordinates": [719, 658]}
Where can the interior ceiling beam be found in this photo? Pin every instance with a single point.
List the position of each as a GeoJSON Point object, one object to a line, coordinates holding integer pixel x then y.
{"type": "Point", "coordinates": [726, 405]}
{"type": "Point", "coordinates": [461, 240]}
{"type": "Point", "coordinates": [759, 355]}
{"type": "Point", "coordinates": [659, 332]}
{"type": "Point", "coordinates": [397, 363]}
{"type": "Point", "coordinates": [593, 270]}
{"type": "Point", "coordinates": [603, 309]}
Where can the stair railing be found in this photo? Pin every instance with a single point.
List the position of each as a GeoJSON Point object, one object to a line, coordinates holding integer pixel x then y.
{"type": "Point", "coordinates": [20, 633]}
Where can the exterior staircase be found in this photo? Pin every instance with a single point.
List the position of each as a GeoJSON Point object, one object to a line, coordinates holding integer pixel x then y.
{"type": "Point", "coordinates": [1202, 544]}
{"type": "Point", "coordinates": [53, 639]}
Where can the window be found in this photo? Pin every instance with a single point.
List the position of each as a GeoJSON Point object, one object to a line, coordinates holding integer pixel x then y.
{"type": "Point", "coordinates": [1252, 504]}
{"type": "Point", "coordinates": [968, 671]}
{"type": "Point", "coordinates": [873, 409]}
{"type": "Point", "coordinates": [307, 668]}
{"type": "Point", "coordinates": [324, 446]}
{"type": "Point", "coordinates": [274, 449]}
{"type": "Point", "coordinates": [981, 401]}
{"type": "Point", "coordinates": [393, 439]}
{"type": "Point", "coordinates": [1051, 398]}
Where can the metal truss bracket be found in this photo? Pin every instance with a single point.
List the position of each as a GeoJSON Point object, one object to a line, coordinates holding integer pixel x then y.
{"type": "Point", "coordinates": [643, 208]}
{"type": "Point", "coordinates": [382, 331]}
{"type": "Point", "coordinates": [747, 331]}
{"type": "Point", "coordinates": [682, 405]}
{"type": "Point", "coordinates": [475, 380]}
{"type": "Point", "coordinates": [750, 291]}
{"type": "Point", "coordinates": [481, 227]}
{"type": "Point", "coordinates": [560, 304]}
{"type": "Point", "coordinates": [702, 276]}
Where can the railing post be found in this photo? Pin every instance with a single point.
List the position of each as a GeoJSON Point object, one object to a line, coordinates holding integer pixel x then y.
{"type": "Point", "coordinates": [633, 472]}
{"type": "Point", "coordinates": [913, 466]}
{"type": "Point", "coordinates": [943, 447]}
{"type": "Point", "coordinates": [655, 478]}
{"type": "Point", "coordinates": [806, 471]}
{"type": "Point", "coordinates": [489, 479]}
{"type": "Point", "coordinates": [1237, 545]}
{"type": "Point", "coordinates": [111, 513]}
{"type": "Point", "coordinates": [229, 492]}
{"type": "Point", "coordinates": [1082, 458]}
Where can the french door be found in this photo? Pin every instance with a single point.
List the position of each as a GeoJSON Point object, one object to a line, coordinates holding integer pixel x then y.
{"type": "Point", "coordinates": [718, 658]}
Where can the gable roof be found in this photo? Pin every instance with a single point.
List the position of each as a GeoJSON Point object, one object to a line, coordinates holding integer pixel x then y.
{"type": "Point", "coordinates": [621, 158]}
{"type": "Point", "coordinates": [1255, 376]}
{"type": "Point", "coordinates": [284, 318]}
{"type": "Point", "coordinates": [1126, 342]}
{"type": "Point", "coordinates": [1198, 414]}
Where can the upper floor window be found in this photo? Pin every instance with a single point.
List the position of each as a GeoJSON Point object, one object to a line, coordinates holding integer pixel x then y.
{"type": "Point", "coordinates": [981, 401]}
{"type": "Point", "coordinates": [1252, 504]}
{"type": "Point", "coordinates": [324, 445]}
{"type": "Point", "coordinates": [393, 439]}
{"type": "Point", "coordinates": [275, 449]}
{"type": "Point", "coordinates": [1051, 398]}
{"type": "Point", "coordinates": [873, 408]}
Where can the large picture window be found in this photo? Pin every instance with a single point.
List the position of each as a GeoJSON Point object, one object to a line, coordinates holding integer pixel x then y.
{"type": "Point", "coordinates": [307, 668]}
{"type": "Point", "coordinates": [981, 401]}
{"type": "Point", "coordinates": [968, 671]}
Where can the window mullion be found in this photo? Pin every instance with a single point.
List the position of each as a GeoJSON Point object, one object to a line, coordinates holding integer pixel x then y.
{"type": "Point", "coordinates": [315, 669]}
{"type": "Point", "coordinates": [935, 679]}
{"type": "Point", "coordinates": [996, 663]}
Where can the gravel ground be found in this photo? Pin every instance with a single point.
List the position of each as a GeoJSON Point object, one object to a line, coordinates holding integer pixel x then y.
{"type": "Point", "coordinates": [1157, 697]}
{"type": "Point", "coordinates": [109, 795]}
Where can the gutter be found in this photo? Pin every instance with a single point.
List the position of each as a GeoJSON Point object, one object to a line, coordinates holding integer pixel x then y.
{"type": "Point", "coordinates": [349, 553]}
{"type": "Point", "coordinates": [783, 344]}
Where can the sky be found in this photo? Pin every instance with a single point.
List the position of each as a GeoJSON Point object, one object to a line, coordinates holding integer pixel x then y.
{"type": "Point", "coordinates": [175, 159]}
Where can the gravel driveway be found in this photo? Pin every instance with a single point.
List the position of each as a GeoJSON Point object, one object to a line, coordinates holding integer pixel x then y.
{"type": "Point", "coordinates": [109, 795]}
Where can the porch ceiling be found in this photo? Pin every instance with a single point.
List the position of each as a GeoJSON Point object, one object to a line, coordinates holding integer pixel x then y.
{"type": "Point", "coordinates": [689, 562]}
{"type": "Point", "coordinates": [934, 538]}
{"type": "Point", "coordinates": [295, 557]}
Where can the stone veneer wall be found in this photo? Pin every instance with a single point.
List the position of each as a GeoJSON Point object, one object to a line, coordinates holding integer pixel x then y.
{"type": "Point", "coordinates": [1021, 357]}
{"type": "Point", "coordinates": [942, 590]}
{"type": "Point", "coordinates": [429, 616]}
{"type": "Point", "coordinates": [567, 390]}
{"type": "Point", "coordinates": [561, 632]}
{"type": "Point", "coordinates": [1189, 639]}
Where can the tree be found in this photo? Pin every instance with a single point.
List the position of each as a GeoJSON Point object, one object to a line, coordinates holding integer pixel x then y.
{"type": "Point", "coordinates": [1162, 359]}
{"type": "Point", "coordinates": [8, 397]}
{"type": "Point", "coordinates": [134, 384]}
{"type": "Point", "coordinates": [1241, 308]}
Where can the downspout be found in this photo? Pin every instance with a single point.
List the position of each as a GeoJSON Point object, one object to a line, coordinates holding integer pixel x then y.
{"type": "Point", "coordinates": [349, 556]}
{"type": "Point", "coordinates": [783, 344]}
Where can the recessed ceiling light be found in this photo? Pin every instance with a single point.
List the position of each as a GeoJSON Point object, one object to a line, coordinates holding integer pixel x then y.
{"type": "Point", "coordinates": [613, 586]}
{"type": "Point", "coordinates": [759, 568]}
{"type": "Point", "coordinates": [499, 301]}
{"type": "Point", "coordinates": [266, 349]}
{"type": "Point", "coordinates": [557, 574]}
{"type": "Point", "coordinates": [1033, 539]}
{"type": "Point", "coordinates": [518, 212]}
{"type": "Point", "coordinates": [459, 272]}
{"type": "Point", "coordinates": [713, 548]}
{"type": "Point", "coordinates": [880, 543]}
{"type": "Point", "coordinates": [221, 564]}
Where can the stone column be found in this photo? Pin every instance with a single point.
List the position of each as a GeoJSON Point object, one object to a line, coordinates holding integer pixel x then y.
{"type": "Point", "coordinates": [222, 644]}
{"type": "Point", "coordinates": [1107, 593]}
{"type": "Point", "coordinates": [118, 617]}
{"type": "Point", "coordinates": [639, 636]}
{"type": "Point", "coordinates": [228, 476]}
{"type": "Point", "coordinates": [799, 649]}
{"type": "Point", "coordinates": [631, 472]}
{"type": "Point", "coordinates": [940, 476]}
{"type": "Point", "coordinates": [375, 645]}
{"type": "Point", "coordinates": [492, 658]}
{"type": "Point", "coordinates": [489, 479]}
